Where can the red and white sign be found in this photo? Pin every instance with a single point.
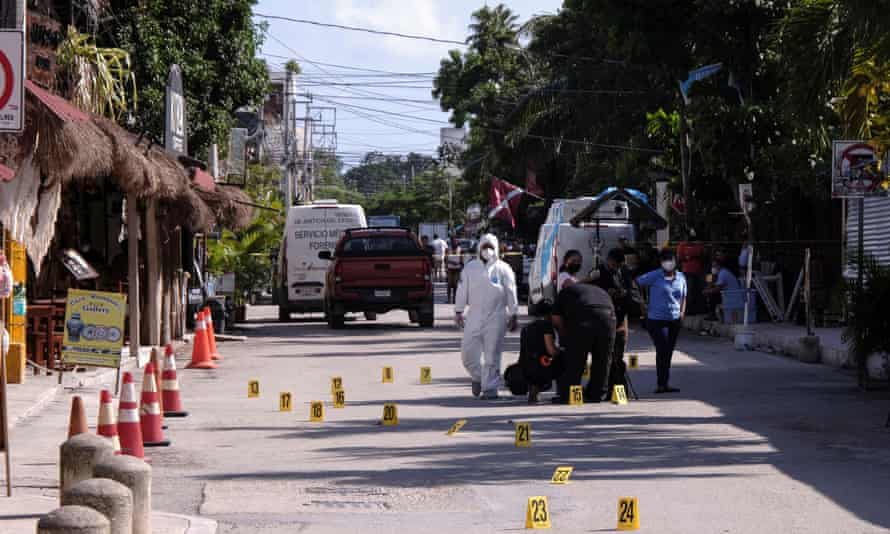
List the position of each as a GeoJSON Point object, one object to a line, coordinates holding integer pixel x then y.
{"type": "Point", "coordinates": [12, 80]}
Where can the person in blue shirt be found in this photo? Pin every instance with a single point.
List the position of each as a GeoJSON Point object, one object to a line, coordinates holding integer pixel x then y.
{"type": "Point", "coordinates": [722, 280]}
{"type": "Point", "coordinates": [665, 290]}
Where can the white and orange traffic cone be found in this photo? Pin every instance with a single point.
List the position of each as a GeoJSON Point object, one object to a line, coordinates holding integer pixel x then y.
{"type": "Point", "coordinates": [200, 351]}
{"type": "Point", "coordinates": [128, 420]}
{"type": "Point", "coordinates": [107, 426]}
{"type": "Point", "coordinates": [171, 402]}
{"type": "Point", "coordinates": [211, 335]}
{"type": "Point", "coordinates": [150, 410]}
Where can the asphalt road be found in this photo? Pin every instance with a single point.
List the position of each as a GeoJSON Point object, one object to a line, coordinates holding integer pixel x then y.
{"type": "Point", "coordinates": [753, 443]}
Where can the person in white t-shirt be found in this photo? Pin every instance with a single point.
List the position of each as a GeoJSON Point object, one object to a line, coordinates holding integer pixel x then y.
{"type": "Point", "coordinates": [440, 249]}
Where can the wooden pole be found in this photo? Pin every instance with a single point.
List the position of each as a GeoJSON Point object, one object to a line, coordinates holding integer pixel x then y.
{"type": "Point", "coordinates": [133, 272]}
{"type": "Point", "coordinates": [153, 275]}
{"type": "Point", "coordinates": [4, 420]}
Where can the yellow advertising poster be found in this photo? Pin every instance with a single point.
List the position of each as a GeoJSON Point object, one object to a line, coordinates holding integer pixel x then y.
{"type": "Point", "coordinates": [94, 328]}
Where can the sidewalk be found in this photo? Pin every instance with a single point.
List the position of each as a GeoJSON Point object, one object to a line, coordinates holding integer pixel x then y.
{"type": "Point", "coordinates": [20, 514]}
{"type": "Point", "coordinates": [38, 422]}
{"type": "Point", "coordinates": [780, 338]}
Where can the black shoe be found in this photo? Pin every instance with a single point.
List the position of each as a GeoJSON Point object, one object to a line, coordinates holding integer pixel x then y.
{"type": "Point", "coordinates": [669, 389]}
{"type": "Point", "coordinates": [660, 389]}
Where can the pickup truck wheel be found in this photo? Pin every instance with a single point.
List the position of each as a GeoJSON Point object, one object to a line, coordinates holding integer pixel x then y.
{"type": "Point", "coordinates": [283, 314]}
{"type": "Point", "coordinates": [370, 316]}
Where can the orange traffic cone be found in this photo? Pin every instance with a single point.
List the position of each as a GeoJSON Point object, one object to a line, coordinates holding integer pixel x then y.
{"type": "Point", "coordinates": [211, 335]}
{"type": "Point", "coordinates": [158, 360]}
{"type": "Point", "coordinates": [107, 425]}
{"type": "Point", "coordinates": [200, 351]}
{"type": "Point", "coordinates": [77, 422]}
{"type": "Point", "coordinates": [150, 410]}
{"type": "Point", "coordinates": [128, 420]}
{"type": "Point", "coordinates": [172, 404]}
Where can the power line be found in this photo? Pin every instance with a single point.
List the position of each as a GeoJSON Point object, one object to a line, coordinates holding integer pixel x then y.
{"type": "Point", "coordinates": [359, 29]}
{"type": "Point", "coordinates": [351, 67]}
{"type": "Point", "coordinates": [382, 99]}
{"type": "Point", "coordinates": [381, 111]}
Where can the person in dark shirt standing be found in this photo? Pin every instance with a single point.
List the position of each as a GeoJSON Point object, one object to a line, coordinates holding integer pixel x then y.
{"type": "Point", "coordinates": [613, 278]}
{"type": "Point", "coordinates": [584, 316]}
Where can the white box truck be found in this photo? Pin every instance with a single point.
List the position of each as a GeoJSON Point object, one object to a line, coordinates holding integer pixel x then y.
{"type": "Point", "coordinates": [309, 230]}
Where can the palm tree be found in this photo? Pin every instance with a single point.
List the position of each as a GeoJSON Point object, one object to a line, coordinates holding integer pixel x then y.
{"type": "Point", "coordinates": [493, 29]}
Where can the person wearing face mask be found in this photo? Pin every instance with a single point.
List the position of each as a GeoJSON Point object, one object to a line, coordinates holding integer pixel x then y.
{"type": "Point", "coordinates": [568, 271]}
{"type": "Point", "coordinates": [666, 291]}
{"type": "Point", "coordinates": [614, 278]}
{"type": "Point", "coordinates": [722, 280]}
{"type": "Point", "coordinates": [488, 287]}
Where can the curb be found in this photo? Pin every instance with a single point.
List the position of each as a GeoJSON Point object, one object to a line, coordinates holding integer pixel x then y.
{"type": "Point", "coordinates": [50, 394]}
{"type": "Point", "coordinates": [196, 525]}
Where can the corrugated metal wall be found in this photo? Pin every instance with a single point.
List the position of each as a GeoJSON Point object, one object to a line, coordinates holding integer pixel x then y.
{"type": "Point", "coordinates": [876, 231]}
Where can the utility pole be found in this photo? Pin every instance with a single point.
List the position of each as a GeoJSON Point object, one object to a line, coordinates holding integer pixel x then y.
{"type": "Point", "coordinates": [305, 190]}
{"type": "Point", "coordinates": [289, 120]}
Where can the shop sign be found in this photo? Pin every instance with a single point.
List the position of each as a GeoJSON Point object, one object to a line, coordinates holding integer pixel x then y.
{"type": "Point", "coordinates": [94, 328]}
{"type": "Point", "coordinates": [856, 171]}
{"type": "Point", "coordinates": [174, 123]}
{"type": "Point", "coordinates": [12, 80]}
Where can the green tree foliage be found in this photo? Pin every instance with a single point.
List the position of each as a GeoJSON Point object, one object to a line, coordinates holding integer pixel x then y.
{"type": "Point", "coordinates": [215, 44]}
{"type": "Point", "coordinates": [381, 172]}
{"type": "Point", "coordinates": [592, 100]}
{"type": "Point", "coordinates": [248, 252]}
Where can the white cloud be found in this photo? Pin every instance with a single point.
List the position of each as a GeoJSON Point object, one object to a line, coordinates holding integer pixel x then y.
{"type": "Point", "coordinates": [415, 17]}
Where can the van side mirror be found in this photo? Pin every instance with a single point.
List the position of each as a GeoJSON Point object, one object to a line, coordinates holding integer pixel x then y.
{"type": "Point", "coordinates": [325, 255]}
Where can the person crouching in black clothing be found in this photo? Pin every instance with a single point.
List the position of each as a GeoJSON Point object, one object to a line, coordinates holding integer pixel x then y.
{"type": "Point", "coordinates": [613, 278]}
{"type": "Point", "coordinates": [539, 357]}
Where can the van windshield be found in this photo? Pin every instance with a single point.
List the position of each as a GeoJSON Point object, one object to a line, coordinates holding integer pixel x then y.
{"type": "Point", "coordinates": [380, 245]}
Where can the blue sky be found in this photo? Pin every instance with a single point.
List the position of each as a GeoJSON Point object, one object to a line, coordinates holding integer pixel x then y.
{"type": "Point", "coordinates": [365, 105]}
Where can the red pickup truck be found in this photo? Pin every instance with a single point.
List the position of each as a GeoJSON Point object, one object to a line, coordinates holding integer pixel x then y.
{"type": "Point", "coordinates": [376, 270]}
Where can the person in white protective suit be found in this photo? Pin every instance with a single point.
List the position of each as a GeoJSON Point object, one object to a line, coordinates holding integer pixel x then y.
{"type": "Point", "coordinates": [488, 287]}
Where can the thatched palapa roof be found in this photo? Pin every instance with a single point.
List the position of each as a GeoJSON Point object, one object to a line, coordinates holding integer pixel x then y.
{"type": "Point", "coordinates": [231, 206]}
{"type": "Point", "coordinates": [75, 146]}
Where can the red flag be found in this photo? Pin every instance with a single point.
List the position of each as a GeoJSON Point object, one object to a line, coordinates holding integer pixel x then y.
{"type": "Point", "coordinates": [531, 182]}
{"type": "Point", "coordinates": [504, 201]}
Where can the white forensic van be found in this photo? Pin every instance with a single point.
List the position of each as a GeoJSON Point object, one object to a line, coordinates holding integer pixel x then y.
{"type": "Point", "coordinates": [310, 229]}
{"type": "Point", "coordinates": [557, 236]}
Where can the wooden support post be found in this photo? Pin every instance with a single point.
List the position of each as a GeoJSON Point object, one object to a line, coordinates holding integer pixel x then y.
{"type": "Point", "coordinates": [133, 272]}
{"type": "Point", "coordinates": [153, 277]}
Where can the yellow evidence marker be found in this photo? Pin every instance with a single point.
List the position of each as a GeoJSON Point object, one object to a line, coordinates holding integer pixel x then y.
{"type": "Point", "coordinates": [537, 515]}
{"type": "Point", "coordinates": [285, 401]}
{"type": "Point", "coordinates": [387, 375]}
{"type": "Point", "coordinates": [339, 398]}
{"type": "Point", "coordinates": [586, 372]}
{"type": "Point", "coordinates": [628, 513]}
{"type": "Point", "coordinates": [634, 361]}
{"type": "Point", "coordinates": [619, 396]}
{"type": "Point", "coordinates": [316, 412]}
{"type": "Point", "coordinates": [523, 434]}
{"type": "Point", "coordinates": [336, 383]}
{"type": "Point", "coordinates": [253, 389]}
{"type": "Point", "coordinates": [455, 428]}
{"type": "Point", "coordinates": [562, 474]}
{"type": "Point", "coordinates": [426, 375]}
{"type": "Point", "coordinates": [576, 396]}
{"type": "Point", "coordinates": [390, 415]}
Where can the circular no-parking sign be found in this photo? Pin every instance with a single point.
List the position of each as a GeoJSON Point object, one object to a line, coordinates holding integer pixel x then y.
{"type": "Point", "coordinates": [7, 80]}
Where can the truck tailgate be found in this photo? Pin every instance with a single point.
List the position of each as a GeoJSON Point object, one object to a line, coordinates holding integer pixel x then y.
{"type": "Point", "coordinates": [384, 272]}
